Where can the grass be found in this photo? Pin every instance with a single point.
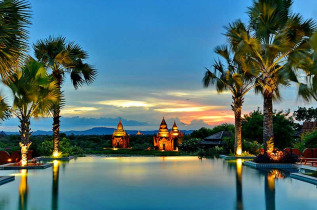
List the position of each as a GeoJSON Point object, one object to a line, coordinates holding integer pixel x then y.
{"type": "Point", "coordinates": [314, 174]}
{"type": "Point", "coordinates": [244, 154]}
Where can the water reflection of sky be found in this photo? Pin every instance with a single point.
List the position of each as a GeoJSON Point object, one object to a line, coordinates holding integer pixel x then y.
{"type": "Point", "coordinates": [154, 183]}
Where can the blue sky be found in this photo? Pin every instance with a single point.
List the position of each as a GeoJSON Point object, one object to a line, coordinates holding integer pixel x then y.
{"type": "Point", "coordinates": [150, 56]}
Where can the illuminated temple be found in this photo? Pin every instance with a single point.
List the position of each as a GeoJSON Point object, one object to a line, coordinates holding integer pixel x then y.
{"type": "Point", "coordinates": [120, 139]}
{"type": "Point", "coordinates": [168, 140]}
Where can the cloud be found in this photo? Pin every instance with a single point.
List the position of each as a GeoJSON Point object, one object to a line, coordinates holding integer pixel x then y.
{"type": "Point", "coordinates": [188, 109]}
{"type": "Point", "coordinates": [73, 110]}
{"type": "Point", "coordinates": [125, 103]}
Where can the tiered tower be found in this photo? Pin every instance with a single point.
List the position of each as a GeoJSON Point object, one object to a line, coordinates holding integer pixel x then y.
{"type": "Point", "coordinates": [120, 139]}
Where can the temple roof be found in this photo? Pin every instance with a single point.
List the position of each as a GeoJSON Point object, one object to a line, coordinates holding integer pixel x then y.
{"type": "Point", "coordinates": [120, 131]}
{"type": "Point", "coordinates": [163, 131]}
{"type": "Point", "coordinates": [175, 128]}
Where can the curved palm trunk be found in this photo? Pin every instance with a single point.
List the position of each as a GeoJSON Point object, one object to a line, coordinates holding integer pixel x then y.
{"type": "Point", "coordinates": [25, 139]}
{"type": "Point", "coordinates": [56, 115]}
{"type": "Point", "coordinates": [268, 134]}
{"type": "Point", "coordinates": [236, 107]}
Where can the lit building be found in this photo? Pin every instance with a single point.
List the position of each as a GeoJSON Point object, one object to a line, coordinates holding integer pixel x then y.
{"type": "Point", "coordinates": [120, 139]}
{"type": "Point", "coordinates": [168, 140]}
{"type": "Point", "coordinates": [139, 133]}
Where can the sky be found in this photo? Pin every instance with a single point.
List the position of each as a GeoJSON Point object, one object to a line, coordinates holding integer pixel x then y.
{"type": "Point", "coordinates": [151, 57]}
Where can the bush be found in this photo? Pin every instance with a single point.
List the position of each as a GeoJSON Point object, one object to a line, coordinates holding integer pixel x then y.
{"type": "Point", "coordinates": [66, 148]}
{"type": "Point", "coordinates": [190, 145]}
{"type": "Point", "coordinates": [310, 139]}
{"type": "Point", "coordinates": [210, 152]}
{"type": "Point", "coordinates": [284, 157]}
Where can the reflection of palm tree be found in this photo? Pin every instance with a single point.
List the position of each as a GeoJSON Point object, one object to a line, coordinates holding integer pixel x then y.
{"type": "Point", "coordinates": [270, 192]}
{"type": "Point", "coordinates": [55, 185]}
{"type": "Point", "coordinates": [239, 204]}
{"type": "Point", "coordinates": [23, 190]}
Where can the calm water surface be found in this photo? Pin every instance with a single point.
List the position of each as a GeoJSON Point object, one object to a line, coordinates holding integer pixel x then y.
{"type": "Point", "coordinates": [154, 183]}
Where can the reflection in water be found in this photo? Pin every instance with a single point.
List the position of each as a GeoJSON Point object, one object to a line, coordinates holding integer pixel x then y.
{"type": "Point", "coordinates": [23, 190]}
{"type": "Point", "coordinates": [239, 204]}
{"type": "Point", "coordinates": [270, 187]}
{"type": "Point", "coordinates": [56, 164]}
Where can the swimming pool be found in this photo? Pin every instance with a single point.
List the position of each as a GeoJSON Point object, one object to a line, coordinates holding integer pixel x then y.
{"type": "Point", "coordinates": [154, 183]}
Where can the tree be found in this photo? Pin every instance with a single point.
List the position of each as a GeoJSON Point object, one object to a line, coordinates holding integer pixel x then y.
{"type": "Point", "coordinates": [232, 76]}
{"type": "Point", "coordinates": [34, 93]}
{"type": "Point", "coordinates": [304, 114]}
{"type": "Point", "coordinates": [273, 43]}
{"type": "Point", "coordinates": [61, 57]}
{"type": "Point", "coordinates": [14, 20]}
{"type": "Point", "coordinates": [284, 128]}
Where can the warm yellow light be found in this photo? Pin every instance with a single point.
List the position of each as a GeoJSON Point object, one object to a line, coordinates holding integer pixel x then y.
{"type": "Point", "coordinates": [9, 160]}
{"type": "Point", "coordinates": [56, 154]}
{"type": "Point", "coordinates": [115, 149]}
{"type": "Point", "coordinates": [239, 151]}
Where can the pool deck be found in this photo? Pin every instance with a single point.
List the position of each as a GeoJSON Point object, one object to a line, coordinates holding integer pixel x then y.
{"type": "Point", "coordinates": [305, 178]}
{"type": "Point", "coordinates": [227, 157]}
{"type": "Point", "coordinates": [43, 158]}
{"type": "Point", "coordinates": [270, 165]}
{"type": "Point", "coordinates": [6, 179]}
{"type": "Point", "coordinates": [9, 166]}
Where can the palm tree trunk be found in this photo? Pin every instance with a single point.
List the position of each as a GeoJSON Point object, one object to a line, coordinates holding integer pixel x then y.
{"type": "Point", "coordinates": [25, 139]}
{"type": "Point", "coordinates": [56, 114]}
{"type": "Point", "coordinates": [236, 107]}
{"type": "Point", "coordinates": [268, 134]}
{"type": "Point", "coordinates": [56, 125]}
{"type": "Point", "coordinates": [238, 137]}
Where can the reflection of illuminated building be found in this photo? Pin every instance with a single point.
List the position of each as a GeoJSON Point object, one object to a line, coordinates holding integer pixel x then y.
{"type": "Point", "coordinates": [55, 184]}
{"type": "Point", "coordinates": [23, 190]}
{"type": "Point", "coordinates": [239, 184]}
{"type": "Point", "coordinates": [120, 139]}
{"type": "Point", "coordinates": [165, 140]}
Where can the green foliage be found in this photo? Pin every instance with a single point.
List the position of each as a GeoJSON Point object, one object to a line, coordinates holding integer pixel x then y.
{"type": "Point", "coordinates": [66, 148]}
{"type": "Point", "coordinates": [210, 152]}
{"type": "Point", "coordinates": [283, 123]}
{"type": "Point", "coordinates": [310, 139]}
{"type": "Point", "coordinates": [304, 114]}
{"type": "Point", "coordinates": [190, 145]}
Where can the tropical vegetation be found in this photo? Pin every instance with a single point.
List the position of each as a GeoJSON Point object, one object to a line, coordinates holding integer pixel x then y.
{"type": "Point", "coordinates": [62, 57]}
{"type": "Point", "coordinates": [234, 77]}
{"type": "Point", "coordinates": [34, 93]}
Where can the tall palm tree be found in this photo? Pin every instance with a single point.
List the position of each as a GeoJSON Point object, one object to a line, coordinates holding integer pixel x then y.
{"type": "Point", "coordinates": [34, 93]}
{"type": "Point", "coordinates": [273, 42]}
{"type": "Point", "coordinates": [231, 76]}
{"type": "Point", "coordinates": [61, 57]}
{"type": "Point", "coordinates": [14, 20]}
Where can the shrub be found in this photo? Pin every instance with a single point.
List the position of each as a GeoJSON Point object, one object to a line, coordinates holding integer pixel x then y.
{"type": "Point", "coordinates": [210, 152]}
{"type": "Point", "coordinates": [310, 139]}
{"type": "Point", "coordinates": [284, 157]}
{"type": "Point", "coordinates": [190, 145]}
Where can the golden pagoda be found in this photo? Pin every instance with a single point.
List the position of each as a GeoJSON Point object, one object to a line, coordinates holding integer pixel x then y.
{"type": "Point", "coordinates": [120, 139]}
{"type": "Point", "coordinates": [139, 133]}
{"type": "Point", "coordinates": [165, 140]}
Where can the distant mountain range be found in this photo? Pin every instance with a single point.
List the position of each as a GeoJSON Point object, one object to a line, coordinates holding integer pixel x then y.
{"type": "Point", "coordinates": [95, 131]}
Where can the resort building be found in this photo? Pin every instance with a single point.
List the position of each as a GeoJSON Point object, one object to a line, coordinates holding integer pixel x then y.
{"type": "Point", "coordinates": [168, 140]}
{"type": "Point", "coordinates": [120, 139]}
{"type": "Point", "coordinates": [215, 139]}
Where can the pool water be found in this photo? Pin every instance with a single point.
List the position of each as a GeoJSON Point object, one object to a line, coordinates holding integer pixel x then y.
{"type": "Point", "coordinates": [154, 183]}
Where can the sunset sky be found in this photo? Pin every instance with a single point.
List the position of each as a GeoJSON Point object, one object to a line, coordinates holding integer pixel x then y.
{"type": "Point", "coordinates": [151, 57]}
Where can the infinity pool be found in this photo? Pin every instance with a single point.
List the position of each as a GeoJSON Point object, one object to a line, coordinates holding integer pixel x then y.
{"type": "Point", "coordinates": [154, 183]}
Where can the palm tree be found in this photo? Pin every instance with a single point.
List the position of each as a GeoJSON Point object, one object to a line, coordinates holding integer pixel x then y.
{"type": "Point", "coordinates": [273, 43]}
{"type": "Point", "coordinates": [14, 20]}
{"type": "Point", "coordinates": [61, 57]}
{"type": "Point", "coordinates": [34, 93]}
{"type": "Point", "coordinates": [231, 76]}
